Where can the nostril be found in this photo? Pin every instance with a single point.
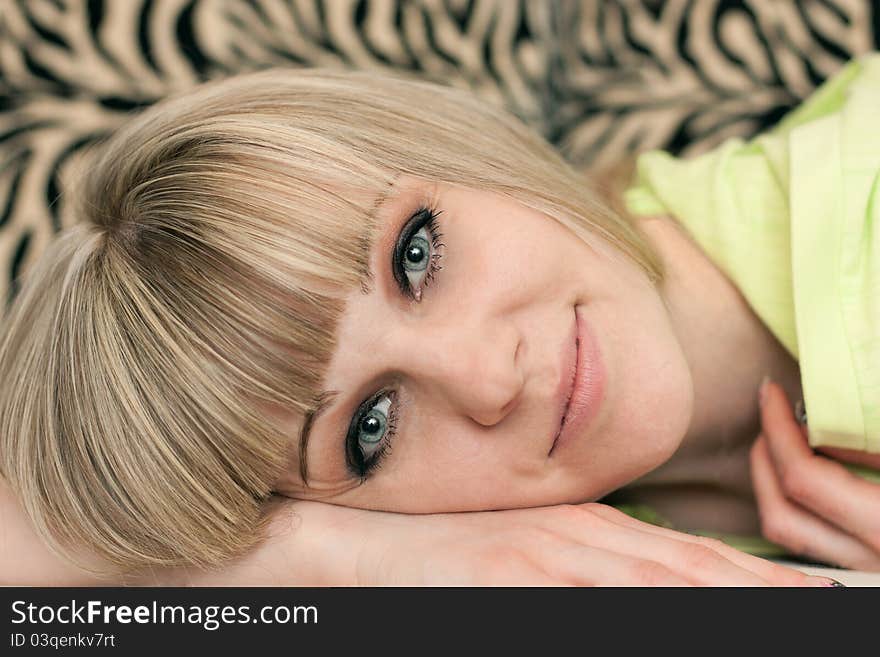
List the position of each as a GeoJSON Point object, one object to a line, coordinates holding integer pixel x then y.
{"type": "Point", "coordinates": [508, 407]}
{"type": "Point", "coordinates": [516, 352]}
{"type": "Point", "coordinates": [515, 393]}
{"type": "Point", "coordinates": [489, 413]}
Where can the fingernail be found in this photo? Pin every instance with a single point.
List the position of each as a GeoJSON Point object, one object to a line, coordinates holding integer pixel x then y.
{"type": "Point", "coordinates": [819, 581]}
{"type": "Point", "coordinates": [800, 412]}
{"type": "Point", "coordinates": [762, 390]}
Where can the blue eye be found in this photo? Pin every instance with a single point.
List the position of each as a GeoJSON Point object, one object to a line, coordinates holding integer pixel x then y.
{"type": "Point", "coordinates": [370, 433]}
{"type": "Point", "coordinates": [372, 428]}
{"type": "Point", "coordinates": [417, 252]}
{"type": "Point", "coordinates": [417, 256]}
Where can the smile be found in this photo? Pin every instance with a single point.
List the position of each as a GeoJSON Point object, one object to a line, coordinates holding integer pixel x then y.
{"type": "Point", "coordinates": [581, 382]}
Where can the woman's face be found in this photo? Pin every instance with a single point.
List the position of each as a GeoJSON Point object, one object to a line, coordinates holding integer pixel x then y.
{"type": "Point", "coordinates": [484, 325]}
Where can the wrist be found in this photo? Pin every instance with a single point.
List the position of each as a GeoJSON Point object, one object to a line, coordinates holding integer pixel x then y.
{"type": "Point", "coordinates": [314, 543]}
{"type": "Point", "coordinates": [304, 544]}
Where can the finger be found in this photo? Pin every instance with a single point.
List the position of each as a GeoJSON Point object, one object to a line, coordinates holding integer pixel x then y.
{"type": "Point", "coordinates": [795, 528]}
{"type": "Point", "coordinates": [772, 573]}
{"type": "Point", "coordinates": [852, 456]}
{"type": "Point", "coordinates": [824, 487]}
{"type": "Point", "coordinates": [495, 568]}
{"type": "Point", "coordinates": [577, 564]}
{"type": "Point", "coordinates": [776, 413]}
{"type": "Point", "coordinates": [692, 560]}
{"type": "Point", "coordinates": [504, 576]}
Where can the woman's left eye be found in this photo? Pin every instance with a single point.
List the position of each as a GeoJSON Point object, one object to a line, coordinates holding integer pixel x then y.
{"type": "Point", "coordinates": [417, 253]}
{"type": "Point", "coordinates": [370, 433]}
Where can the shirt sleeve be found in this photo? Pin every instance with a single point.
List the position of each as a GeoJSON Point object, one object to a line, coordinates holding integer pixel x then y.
{"type": "Point", "coordinates": [791, 216]}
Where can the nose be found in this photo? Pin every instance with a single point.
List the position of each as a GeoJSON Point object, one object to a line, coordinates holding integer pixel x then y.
{"type": "Point", "coordinates": [474, 368]}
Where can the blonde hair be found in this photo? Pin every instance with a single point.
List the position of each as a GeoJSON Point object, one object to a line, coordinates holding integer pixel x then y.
{"type": "Point", "coordinates": [219, 233]}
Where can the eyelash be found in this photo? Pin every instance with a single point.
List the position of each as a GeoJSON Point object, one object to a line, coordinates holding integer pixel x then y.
{"type": "Point", "coordinates": [424, 217]}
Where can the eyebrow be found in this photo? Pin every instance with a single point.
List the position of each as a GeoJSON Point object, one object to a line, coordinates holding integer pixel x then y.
{"type": "Point", "coordinates": [367, 275]}
{"type": "Point", "coordinates": [326, 398]}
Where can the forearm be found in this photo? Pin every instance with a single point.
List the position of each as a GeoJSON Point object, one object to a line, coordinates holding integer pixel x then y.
{"type": "Point", "coordinates": [315, 544]}
{"type": "Point", "coordinates": [306, 544]}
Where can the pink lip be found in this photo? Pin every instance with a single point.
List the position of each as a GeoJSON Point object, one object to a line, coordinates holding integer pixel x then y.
{"type": "Point", "coordinates": [581, 382]}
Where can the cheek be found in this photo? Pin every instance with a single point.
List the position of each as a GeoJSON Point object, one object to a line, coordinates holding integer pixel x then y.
{"type": "Point", "coordinates": [649, 389]}
{"type": "Point", "coordinates": [452, 469]}
{"type": "Point", "coordinates": [517, 254]}
{"type": "Point", "coordinates": [458, 469]}
{"type": "Point", "coordinates": [653, 390]}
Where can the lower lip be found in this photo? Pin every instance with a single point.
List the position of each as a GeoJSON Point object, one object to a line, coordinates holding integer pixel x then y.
{"type": "Point", "coordinates": [589, 384]}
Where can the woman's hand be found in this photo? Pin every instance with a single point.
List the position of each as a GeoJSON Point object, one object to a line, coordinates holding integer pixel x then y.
{"type": "Point", "coordinates": [810, 504]}
{"type": "Point", "coordinates": [314, 544]}
{"type": "Point", "coordinates": [589, 544]}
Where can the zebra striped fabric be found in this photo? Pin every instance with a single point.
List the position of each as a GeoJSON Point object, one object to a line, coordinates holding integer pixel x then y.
{"type": "Point", "coordinates": [599, 78]}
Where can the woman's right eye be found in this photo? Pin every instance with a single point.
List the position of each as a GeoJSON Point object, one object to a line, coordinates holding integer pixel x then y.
{"type": "Point", "coordinates": [417, 252]}
{"type": "Point", "coordinates": [417, 258]}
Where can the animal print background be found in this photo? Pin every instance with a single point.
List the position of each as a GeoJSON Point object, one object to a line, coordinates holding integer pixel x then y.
{"type": "Point", "coordinates": [599, 78]}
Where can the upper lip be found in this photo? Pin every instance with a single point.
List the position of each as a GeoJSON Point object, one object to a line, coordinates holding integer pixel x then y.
{"type": "Point", "coordinates": [567, 373]}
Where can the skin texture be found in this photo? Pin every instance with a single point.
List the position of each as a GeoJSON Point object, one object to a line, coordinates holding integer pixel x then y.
{"type": "Point", "coordinates": [477, 363]}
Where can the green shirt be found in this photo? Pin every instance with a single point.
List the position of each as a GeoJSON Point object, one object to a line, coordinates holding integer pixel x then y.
{"type": "Point", "coordinates": [792, 217]}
